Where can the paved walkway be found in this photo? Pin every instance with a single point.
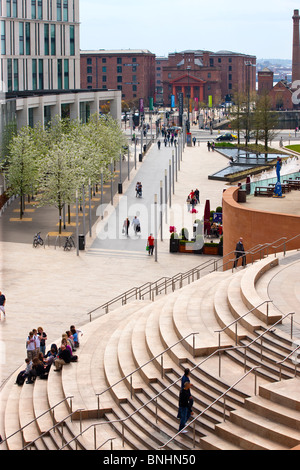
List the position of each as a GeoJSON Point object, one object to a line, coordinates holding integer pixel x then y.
{"type": "Point", "coordinates": [54, 289]}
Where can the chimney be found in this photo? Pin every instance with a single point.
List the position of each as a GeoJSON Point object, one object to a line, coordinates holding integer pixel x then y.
{"type": "Point", "coordinates": [296, 47]}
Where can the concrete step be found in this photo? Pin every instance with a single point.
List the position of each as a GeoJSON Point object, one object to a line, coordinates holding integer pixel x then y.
{"type": "Point", "coordinates": [249, 293]}
{"type": "Point", "coordinates": [266, 428]}
{"type": "Point", "coordinates": [285, 393]}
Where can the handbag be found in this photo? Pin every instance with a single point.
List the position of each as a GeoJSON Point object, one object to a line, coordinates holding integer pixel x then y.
{"type": "Point", "coordinates": [147, 248]}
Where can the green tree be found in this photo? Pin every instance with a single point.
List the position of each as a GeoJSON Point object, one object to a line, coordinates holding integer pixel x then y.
{"type": "Point", "coordinates": [22, 170]}
{"type": "Point", "coordinates": [265, 119]}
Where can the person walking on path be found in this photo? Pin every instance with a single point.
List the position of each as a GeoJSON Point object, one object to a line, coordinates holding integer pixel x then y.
{"type": "Point", "coordinates": [126, 226]}
{"type": "Point", "coordinates": [2, 304]}
{"type": "Point", "coordinates": [136, 225]}
{"type": "Point", "coordinates": [240, 253]}
{"type": "Point", "coordinates": [151, 241]}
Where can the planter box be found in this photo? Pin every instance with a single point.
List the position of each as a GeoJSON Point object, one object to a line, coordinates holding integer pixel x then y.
{"type": "Point", "coordinates": [188, 248]}
{"type": "Point", "coordinates": [211, 250]}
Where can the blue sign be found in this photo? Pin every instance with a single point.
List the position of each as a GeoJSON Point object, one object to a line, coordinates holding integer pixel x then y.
{"type": "Point", "coordinates": [218, 217]}
{"type": "Point", "coordinates": [172, 101]}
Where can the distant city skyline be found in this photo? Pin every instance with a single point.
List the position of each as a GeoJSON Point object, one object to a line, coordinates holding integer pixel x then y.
{"type": "Point", "coordinates": [263, 29]}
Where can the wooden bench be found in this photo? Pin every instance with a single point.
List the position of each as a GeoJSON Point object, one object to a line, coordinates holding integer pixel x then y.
{"type": "Point", "coordinates": [264, 191]}
{"type": "Point", "coordinates": [285, 188]}
{"type": "Point", "coordinates": [293, 184]}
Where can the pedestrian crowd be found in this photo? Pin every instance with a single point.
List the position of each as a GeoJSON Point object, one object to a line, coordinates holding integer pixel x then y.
{"type": "Point", "coordinates": [38, 362]}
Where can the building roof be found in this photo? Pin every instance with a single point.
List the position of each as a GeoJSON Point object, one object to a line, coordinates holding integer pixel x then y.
{"type": "Point", "coordinates": [116, 51]}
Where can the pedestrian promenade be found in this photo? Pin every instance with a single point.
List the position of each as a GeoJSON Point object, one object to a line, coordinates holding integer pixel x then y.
{"type": "Point", "coordinates": [54, 289]}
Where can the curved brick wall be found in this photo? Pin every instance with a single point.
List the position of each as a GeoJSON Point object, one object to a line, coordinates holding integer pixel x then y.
{"type": "Point", "coordinates": [256, 227]}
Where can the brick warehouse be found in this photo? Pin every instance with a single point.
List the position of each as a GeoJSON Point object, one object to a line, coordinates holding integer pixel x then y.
{"type": "Point", "coordinates": [131, 71]}
{"type": "Point", "coordinates": [201, 74]}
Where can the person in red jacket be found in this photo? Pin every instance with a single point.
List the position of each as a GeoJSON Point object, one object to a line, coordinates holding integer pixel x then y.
{"type": "Point", "coordinates": [151, 244]}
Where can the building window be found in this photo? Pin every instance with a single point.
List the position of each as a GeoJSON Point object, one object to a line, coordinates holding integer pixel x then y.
{"type": "Point", "coordinates": [169, 75]}
{"type": "Point", "coordinates": [89, 61]}
{"type": "Point", "coordinates": [219, 60]}
{"type": "Point", "coordinates": [134, 68]}
{"type": "Point", "coordinates": [72, 41]}
{"type": "Point", "coordinates": [104, 78]}
{"type": "Point", "coordinates": [58, 10]}
{"type": "Point", "coordinates": [3, 42]}
{"type": "Point", "coordinates": [119, 69]}
{"type": "Point", "coordinates": [15, 9]}
{"type": "Point", "coordinates": [8, 8]}
{"type": "Point", "coordinates": [46, 39]}
{"type": "Point", "coordinates": [134, 59]}
{"type": "Point", "coordinates": [33, 9]}
{"type": "Point", "coordinates": [27, 34]}
{"type": "Point", "coordinates": [65, 10]}
{"type": "Point", "coordinates": [9, 74]}
{"type": "Point", "coordinates": [89, 70]}
{"type": "Point", "coordinates": [104, 69]}
{"type": "Point", "coordinates": [59, 74]}
{"type": "Point", "coordinates": [119, 79]}
{"type": "Point", "coordinates": [103, 60]}
{"type": "Point", "coordinates": [133, 87]}
{"type": "Point", "coordinates": [119, 60]}
{"type": "Point", "coordinates": [40, 9]}
{"type": "Point", "coordinates": [119, 87]}
{"type": "Point", "coordinates": [66, 74]}
{"type": "Point", "coordinates": [134, 78]}
{"type": "Point", "coordinates": [209, 75]}
{"type": "Point", "coordinates": [16, 75]}
{"type": "Point", "coordinates": [21, 38]}
{"type": "Point", "coordinates": [53, 40]}
{"type": "Point", "coordinates": [230, 77]}
{"type": "Point", "coordinates": [34, 74]}
{"type": "Point", "coordinates": [41, 74]}
{"type": "Point", "coordinates": [90, 79]}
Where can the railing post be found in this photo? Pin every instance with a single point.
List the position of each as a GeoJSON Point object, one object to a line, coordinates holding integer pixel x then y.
{"type": "Point", "coordinates": [162, 365]}
{"type": "Point", "coordinates": [131, 386]}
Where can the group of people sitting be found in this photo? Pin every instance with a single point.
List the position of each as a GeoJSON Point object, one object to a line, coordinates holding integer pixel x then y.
{"type": "Point", "coordinates": [193, 199]}
{"type": "Point", "coordinates": [214, 230]}
{"type": "Point", "coordinates": [38, 362]}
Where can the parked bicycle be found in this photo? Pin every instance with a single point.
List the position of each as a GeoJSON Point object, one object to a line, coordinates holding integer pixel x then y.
{"type": "Point", "coordinates": [37, 240]}
{"type": "Point", "coordinates": [69, 243]}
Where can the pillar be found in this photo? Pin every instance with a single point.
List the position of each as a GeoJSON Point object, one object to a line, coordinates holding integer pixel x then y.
{"type": "Point", "coordinates": [296, 47]}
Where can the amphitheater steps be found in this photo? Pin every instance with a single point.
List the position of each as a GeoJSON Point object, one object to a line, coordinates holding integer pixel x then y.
{"type": "Point", "coordinates": [249, 294]}
{"type": "Point", "coordinates": [192, 313]}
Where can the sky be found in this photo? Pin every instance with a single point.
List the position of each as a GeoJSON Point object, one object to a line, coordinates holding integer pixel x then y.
{"type": "Point", "coordinates": [263, 28]}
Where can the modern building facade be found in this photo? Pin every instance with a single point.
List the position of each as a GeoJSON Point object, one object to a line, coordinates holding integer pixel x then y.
{"type": "Point", "coordinates": [200, 75]}
{"type": "Point", "coordinates": [130, 71]}
{"type": "Point", "coordinates": [40, 63]}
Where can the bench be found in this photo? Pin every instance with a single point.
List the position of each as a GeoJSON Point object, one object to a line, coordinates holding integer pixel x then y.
{"type": "Point", "coordinates": [293, 184]}
{"type": "Point", "coordinates": [285, 187]}
{"type": "Point", "coordinates": [264, 191]}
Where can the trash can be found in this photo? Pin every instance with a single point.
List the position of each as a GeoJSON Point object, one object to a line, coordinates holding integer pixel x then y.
{"type": "Point", "coordinates": [140, 157]}
{"type": "Point", "coordinates": [120, 188]}
{"type": "Point", "coordinates": [242, 195]}
{"type": "Point", "coordinates": [81, 242]}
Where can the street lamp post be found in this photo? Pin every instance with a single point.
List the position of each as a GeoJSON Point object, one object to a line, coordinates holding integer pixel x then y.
{"type": "Point", "coordinates": [155, 227]}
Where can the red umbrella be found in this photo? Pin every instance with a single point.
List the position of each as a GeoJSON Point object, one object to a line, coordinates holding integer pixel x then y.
{"type": "Point", "coordinates": [207, 217]}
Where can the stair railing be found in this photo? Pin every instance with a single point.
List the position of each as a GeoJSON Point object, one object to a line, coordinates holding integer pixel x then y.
{"type": "Point", "coordinates": [219, 351]}
{"type": "Point", "coordinates": [37, 418]}
{"type": "Point", "coordinates": [164, 283]}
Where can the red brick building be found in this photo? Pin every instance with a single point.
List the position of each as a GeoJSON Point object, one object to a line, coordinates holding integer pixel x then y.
{"type": "Point", "coordinates": [280, 93]}
{"type": "Point", "coordinates": [200, 74]}
{"type": "Point", "coordinates": [131, 71]}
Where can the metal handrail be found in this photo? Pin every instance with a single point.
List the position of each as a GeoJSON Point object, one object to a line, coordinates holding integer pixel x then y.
{"type": "Point", "coordinates": [141, 367]}
{"type": "Point", "coordinates": [54, 427]}
{"type": "Point", "coordinates": [38, 417]}
{"type": "Point", "coordinates": [214, 402]}
{"type": "Point", "coordinates": [287, 357]}
{"type": "Point", "coordinates": [241, 318]}
{"type": "Point", "coordinates": [148, 287]}
{"type": "Point", "coordinates": [219, 351]}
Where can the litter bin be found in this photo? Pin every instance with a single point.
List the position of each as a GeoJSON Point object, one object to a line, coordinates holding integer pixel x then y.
{"type": "Point", "coordinates": [242, 195]}
{"type": "Point", "coordinates": [81, 242]}
{"type": "Point", "coordinates": [140, 157]}
{"type": "Point", "coordinates": [120, 188]}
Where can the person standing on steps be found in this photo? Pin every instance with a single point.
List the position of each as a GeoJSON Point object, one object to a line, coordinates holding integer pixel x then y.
{"type": "Point", "coordinates": [183, 412]}
{"type": "Point", "coordinates": [240, 253]}
{"type": "Point", "coordinates": [2, 304]}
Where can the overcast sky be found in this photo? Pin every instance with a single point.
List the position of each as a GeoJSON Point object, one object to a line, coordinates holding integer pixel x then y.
{"type": "Point", "coordinates": [262, 28]}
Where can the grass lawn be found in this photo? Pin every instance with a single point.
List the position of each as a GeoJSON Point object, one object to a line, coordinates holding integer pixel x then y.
{"type": "Point", "coordinates": [296, 148]}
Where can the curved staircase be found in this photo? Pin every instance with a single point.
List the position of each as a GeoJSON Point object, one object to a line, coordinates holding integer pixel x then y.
{"type": "Point", "coordinates": [124, 391]}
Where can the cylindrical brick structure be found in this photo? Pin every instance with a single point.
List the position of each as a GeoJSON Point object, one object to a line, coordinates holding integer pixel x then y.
{"type": "Point", "coordinates": [296, 47]}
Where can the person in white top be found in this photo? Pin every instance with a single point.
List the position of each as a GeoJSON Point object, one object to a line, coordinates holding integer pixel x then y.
{"type": "Point", "coordinates": [136, 225]}
{"type": "Point", "coordinates": [31, 346]}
